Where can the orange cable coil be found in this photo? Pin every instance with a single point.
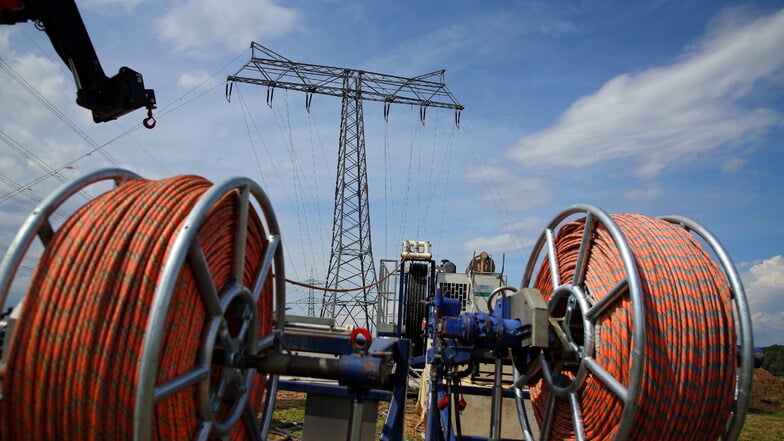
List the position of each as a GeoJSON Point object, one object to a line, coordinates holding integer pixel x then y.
{"type": "Point", "coordinates": [689, 379]}
{"type": "Point", "coordinates": [73, 368]}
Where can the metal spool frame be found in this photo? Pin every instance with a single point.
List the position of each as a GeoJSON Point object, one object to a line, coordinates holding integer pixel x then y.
{"type": "Point", "coordinates": [215, 300]}
{"type": "Point", "coordinates": [186, 246]}
{"type": "Point", "coordinates": [574, 292]}
{"type": "Point", "coordinates": [575, 297]}
{"type": "Point", "coordinates": [742, 312]}
{"type": "Point", "coordinates": [38, 224]}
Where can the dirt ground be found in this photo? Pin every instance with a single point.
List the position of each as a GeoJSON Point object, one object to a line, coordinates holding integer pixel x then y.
{"type": "Point", "coordinates": [291, 405]}
{"type": "Point", "coordinates": [767, 398]}
{"type": "Point", "coordinates": [767, 393]}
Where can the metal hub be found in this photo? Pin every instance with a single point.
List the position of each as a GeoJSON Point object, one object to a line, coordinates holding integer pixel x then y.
{"type": "Point", "coordinates": [566, 365]}
{"type": "Point", "coordinates": [226, 340]}
{"type": "Point", "coordinates": [562, 365]}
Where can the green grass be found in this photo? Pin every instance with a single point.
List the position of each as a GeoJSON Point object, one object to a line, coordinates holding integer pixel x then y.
{"type": "Point", "coordinates": [288, 421]}
{"type": "Point", "coordinates": [763, 427]}
{"type": "Point", "coordinates": [290, 414]}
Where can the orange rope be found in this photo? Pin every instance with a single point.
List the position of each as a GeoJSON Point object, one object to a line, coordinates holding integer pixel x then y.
{"type": "Point", "coordinates": [688, 385]}
{"type": "Point", "coordinates": [74, 363]}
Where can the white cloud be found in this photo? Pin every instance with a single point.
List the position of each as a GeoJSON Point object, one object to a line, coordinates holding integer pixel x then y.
{"type": "Point", "coordinates": [512, 243]}
{"type": "Point", "coordinates": [449, 44]}
{"type": "Point", "coordinates": [496, 244]}
{"type": "Point", "coordinates": [191, 80]}
{"type": "Point", "coordinates": [95, 4]}
{"type": "Point", "coordinates": [529, 225]}
{"type": "Point", "coordinates": [511, 190]}
{"type": "Point", "coordinates": [644, 192]}
{"type": "Point", "coordinates": [28, 125]}
{"type": "Point", "coordinates": [424, 53]}
{"type": "Point", "coordinates": [207, 26]}
{"type": "Point", "coordinates": [36, 137]}
{"type": "Point", "coordinates": [5, 38]}
{"type": "Point", "coordinates": [673, 114]}
{"type": "Point", "coordinates": [508, 195]}
{"type": "Point", "coordinates": [558, 27]}
{"type": "Point", "coordinates": [733, 164]}
{"type": "Point", "coordinates": [769, 274]}
{"type": "Point", "coordinates": [43, 75]}
{"type": "Point", "coordinates": [764, 285]}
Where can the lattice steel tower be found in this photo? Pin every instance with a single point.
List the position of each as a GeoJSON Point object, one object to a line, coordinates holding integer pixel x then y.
{"type": "Point", "coordinates": [351, 262]}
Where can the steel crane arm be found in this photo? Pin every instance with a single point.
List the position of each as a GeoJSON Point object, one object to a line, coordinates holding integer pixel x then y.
{"type": "Point", "coordinates": [107, 98]}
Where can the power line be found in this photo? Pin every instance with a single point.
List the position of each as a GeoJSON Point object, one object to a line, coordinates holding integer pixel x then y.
{"type": "Point", "coordinates": [43, 165]}
{"type": "Point", "coordinates": [55, 111]}
{"type": "Point", "coordinates": [31, 194]}
{"type": "Point", "coordinates": [503, 210]}
{"type": "Point", "coordinates": [351, 257]}
{"type": "Point", "coordinates": [163, 112]}
{"type": "Point", "coordinates": [29, 155]}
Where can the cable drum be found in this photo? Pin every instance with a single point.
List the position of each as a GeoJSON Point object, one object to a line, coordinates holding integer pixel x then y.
{"type": "Point", "coordinates": [81, 343]}
{"type": "Point", "coordinates": [643, 333]}
{"type": "Point", "coordinates": [415, 310]}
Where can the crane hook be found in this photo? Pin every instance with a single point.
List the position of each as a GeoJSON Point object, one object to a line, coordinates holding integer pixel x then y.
{"type": "Point", "coordinates": [149, 122]}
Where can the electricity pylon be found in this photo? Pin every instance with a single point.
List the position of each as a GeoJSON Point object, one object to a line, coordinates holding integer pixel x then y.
{"type": "Point", "coordinates": [351, 262]}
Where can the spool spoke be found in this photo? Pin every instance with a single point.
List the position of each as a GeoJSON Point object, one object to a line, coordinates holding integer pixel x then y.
{"type": "Point", "coordinates": [217, 396]}
{"type": "Point", "coordinates": [607, 379]}
{"type": "Point", "coordinates": [269, 404]}
{"type": "Point", "coordinates": [585, 250]}
{"type": "Point", "coordinates": [201, 272]}
{"type": "Point", "coordinates": [269, 254]}
{"type": "Point", "coordinates": [46, 232]}
{"type": "Point", "coordinates": [241, 235]}
{"type": "Point", "coordinates": [204, 431]}
{"type": "Point", "coordinates": [246, 320]}
{"type": "Point", "coordinates": [254, 432]}
{"type": "Point", "coordinates": [549, 416]}
{"type": "Point", "coordinates": [228, 343]}
{"type": "Point", "coordinates": [181, 383]}
{"type": "Point", "coordinates": [605, 302]}
{"type": "Point", "coordinates": [570, 304]}
{"type": "Point", "coordinates": [552, 258]}
{"type": "Point", "coordinates": [231, 376]}
{"type": "Point", "coordinates": [577, 417]}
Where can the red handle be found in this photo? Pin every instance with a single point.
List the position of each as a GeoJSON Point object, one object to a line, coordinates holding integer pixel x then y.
{"type": "Point", "coordinates": [357, 344]}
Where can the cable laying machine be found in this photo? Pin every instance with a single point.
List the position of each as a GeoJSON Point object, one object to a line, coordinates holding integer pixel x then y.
{"type": "Point", "coordinates": [157, 311]}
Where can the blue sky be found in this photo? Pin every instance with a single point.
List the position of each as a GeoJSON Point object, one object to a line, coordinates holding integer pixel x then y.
{"type": "Point", "coordinates": [668, 107]}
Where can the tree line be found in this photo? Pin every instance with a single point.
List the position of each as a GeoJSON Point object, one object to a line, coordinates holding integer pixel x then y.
{"type": "Point", "coordinates": [774, 360]}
